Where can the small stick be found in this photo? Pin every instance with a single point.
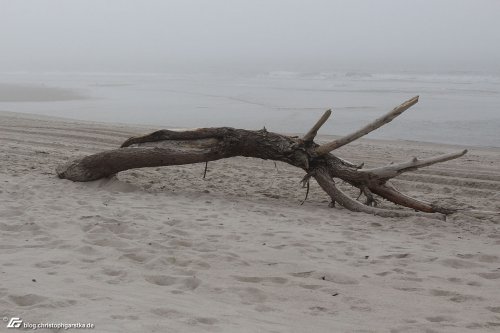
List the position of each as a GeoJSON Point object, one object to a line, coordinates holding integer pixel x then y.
{"type": "Point", "coordinates": [307, 193]}
{"type": "Point", "coordinates": [205, 172]}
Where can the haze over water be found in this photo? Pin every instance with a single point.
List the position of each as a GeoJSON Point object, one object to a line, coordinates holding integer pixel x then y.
{"type": "Point", "coordinates": [273, 63]}
{"type": "Point", "coordinates": [453, 108]}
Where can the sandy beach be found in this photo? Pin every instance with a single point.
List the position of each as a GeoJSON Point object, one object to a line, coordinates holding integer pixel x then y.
{"type": "Point", "coordinates": [239, 244]}
{"type": "Point", "coordinates": [164, 250]}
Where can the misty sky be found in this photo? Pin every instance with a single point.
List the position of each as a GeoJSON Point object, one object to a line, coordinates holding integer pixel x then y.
{"type": "Point", "coordinates": [192, 35]}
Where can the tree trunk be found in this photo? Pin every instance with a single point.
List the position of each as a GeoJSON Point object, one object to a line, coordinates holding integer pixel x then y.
{"type": "Point", "coordinates": [164, 147]}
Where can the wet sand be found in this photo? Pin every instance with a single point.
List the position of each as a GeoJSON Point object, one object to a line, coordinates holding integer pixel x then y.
{"type": "Point", "coordinates": [36, 93]}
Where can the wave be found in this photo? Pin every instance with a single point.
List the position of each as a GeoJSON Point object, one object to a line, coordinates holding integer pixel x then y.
{"type": "Point", "coordinates": [454, 77]}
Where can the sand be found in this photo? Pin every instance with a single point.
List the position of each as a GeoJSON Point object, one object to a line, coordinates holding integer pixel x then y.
{"type": "Point", "coordinates": [36, 93]}
{"type": "Point", "coordinates": [163, 250]}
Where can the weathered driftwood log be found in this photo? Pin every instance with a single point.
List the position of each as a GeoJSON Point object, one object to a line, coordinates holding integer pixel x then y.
{"type": "Point", "coordinates": [164, 147]}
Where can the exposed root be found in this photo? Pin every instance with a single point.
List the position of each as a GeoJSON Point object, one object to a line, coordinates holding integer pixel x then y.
{"type": "Point", "coordinates": [307, 192]}
{"type": "Point", "coordinates": [390, 193]}
{"type": "Point", "coordinates": [328, 185]}
{"type": "Point", "coordinates": [370, 198]}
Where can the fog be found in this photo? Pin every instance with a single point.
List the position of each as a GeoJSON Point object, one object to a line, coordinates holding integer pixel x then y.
{"type": "Point", "coordinates": [218, 35]}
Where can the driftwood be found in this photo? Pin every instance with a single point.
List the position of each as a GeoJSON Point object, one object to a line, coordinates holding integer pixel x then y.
{"type": "Point", "coordinates": [165, 147]}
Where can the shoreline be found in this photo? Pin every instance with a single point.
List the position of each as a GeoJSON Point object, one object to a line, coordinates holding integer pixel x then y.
{"type": "Point", "coordinates": [443, 115]}
{"type": "Point", "coordinates": [151, 127]}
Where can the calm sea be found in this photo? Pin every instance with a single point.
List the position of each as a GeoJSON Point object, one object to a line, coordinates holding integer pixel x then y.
{"type": "Point", "coordinates": [456, 108]}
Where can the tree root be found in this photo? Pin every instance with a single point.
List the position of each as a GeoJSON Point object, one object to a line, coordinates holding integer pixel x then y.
{"type": "Point", "coordinates": [328, 185]}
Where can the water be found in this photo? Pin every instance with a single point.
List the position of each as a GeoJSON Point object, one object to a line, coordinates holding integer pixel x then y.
{"type": "Point", "coordinates": [455, 108]}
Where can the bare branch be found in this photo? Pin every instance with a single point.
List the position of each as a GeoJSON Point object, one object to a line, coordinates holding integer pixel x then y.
{"type": "Point", "coordinates": [393, 170]}
{"type": "Point", "coordinates": [390, 193]}
{"type": "Point", "coordinates": [328, 147]}
{"type": "Point", "coordinates": [326, 182]}
{"type": "Point", "coordinates": [314, 130]}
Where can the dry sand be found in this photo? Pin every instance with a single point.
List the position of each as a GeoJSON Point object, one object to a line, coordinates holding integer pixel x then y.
{"type": "Point", "coordinates": [162, 250]}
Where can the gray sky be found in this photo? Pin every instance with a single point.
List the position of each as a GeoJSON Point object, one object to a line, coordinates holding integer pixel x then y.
{"type": "Point", "coordinates": [191, 35]}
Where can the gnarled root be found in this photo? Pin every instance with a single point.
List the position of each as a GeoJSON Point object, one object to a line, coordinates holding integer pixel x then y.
{"type": "Point", "coordinates": [389, 192]}
{"type": "Point", "coordinates": [324, 180]}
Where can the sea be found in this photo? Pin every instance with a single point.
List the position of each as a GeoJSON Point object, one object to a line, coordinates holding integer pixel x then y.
{"type": "Point", "coordinates": [459, 108]}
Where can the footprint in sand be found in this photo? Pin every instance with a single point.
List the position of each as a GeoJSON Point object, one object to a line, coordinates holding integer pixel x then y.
{"type": "Point", "coordinates": [190, 283]}
{"type": "Point", "coordinates": [395, 256]}
{"type": "Point", "coordinates": [336, 278]}
{"type": "Point", "coordinates": [459, 263]}
{"type": "Point", "coordinates": [326, 276]}
{"type": "Point", "coordinates": [161, 280]}
{"type": "Point", "coordinates": [251, 295]}
{"type": "Point", "coordinates": [120, 317]}
{"type": "Point", "coordinates": [454, 297]}
{"type": "Point", "coordinates": [455, 280]}
{"type": "Point", "coordinates": [490, 276]}
{"type": "Point", "coordinates": [50, 263]}
{"type": "Point", "coordinates": [137, 257]}
{"type": "Point", "coordinates": [106, 241]}
{"type": "Point", "coordinates": [311, 286]}
{"type": "Point", "coordinates": [27, 300]}
{"type": "Point", "coordinates": [109, 271]}
{"type": "Point", "coordinates": [439, 319]}
{"type": "Point", "coordinates": [87, 250]}
{"type": "Point", "coordinates": [495, 309]}
{"type": "Point", "coordinates": [202, 320]}
{"type": "Point", "coordinates": [164, 261]}
{"type": "Point", "coordinates": [487, 258]}
{"type": "Point", "coordinates": [178, 232]}
{"type": "Point", "coordinates": [167, 313]}
{"type": "Point", "coordinates": [59, 304]}
{"type": "Point", "coordinates": [439, 292]}
{"type": "Point", "coordinates": [255, 279]}
{"type": "Point", "coordinates": [320, 310]}
{"type": "Point", "coordinates": [474, 284]}
{"type": "Point", "coordinates": [186, 284]}
{"type": "Point", "coordinates": [357, 304]}
{"type": "Point", "coordinates": [459, 298]}
{"type": "Point", "coordinates": [180, 243]}
{"type": "Point", "coordinates": [408, 288]}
